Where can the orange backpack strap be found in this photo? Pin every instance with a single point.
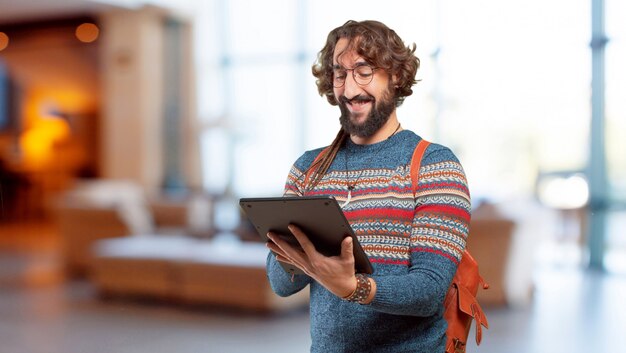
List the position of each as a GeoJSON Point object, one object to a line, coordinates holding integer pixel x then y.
{"type": "Point", "coordinates": [460, 304]}
{"type": "Point", "coordinates": [416, 162]}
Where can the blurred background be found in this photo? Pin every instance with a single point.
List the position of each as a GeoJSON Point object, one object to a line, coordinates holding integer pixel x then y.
{"type": "Point", "coordinates": [129, 129]}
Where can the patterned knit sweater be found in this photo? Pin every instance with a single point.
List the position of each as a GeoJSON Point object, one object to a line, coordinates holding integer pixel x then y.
{"type": "Point", "coordinates": [414, 245]}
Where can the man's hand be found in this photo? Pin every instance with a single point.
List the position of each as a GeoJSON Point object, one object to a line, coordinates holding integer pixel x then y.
{"type": "Point", "coordinates": [335, 273]}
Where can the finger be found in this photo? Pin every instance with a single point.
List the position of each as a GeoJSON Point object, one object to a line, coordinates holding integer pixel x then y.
{"type": "Point", "coordinates": [304, 241]}
{"type": "Point", "coordinates": [276, 239]}
{"type": "Point", "coordinates": [275, 249]}
{"type": "Point", "coordinates": [286, 249]}
{"type": "Point", "coordinates": [347, 249]}
{"type": "Point", "coordinates": [291, 261]}
{"type": "Point", "coordinates": [284, 259]}
{"type": "Point", "coordinates": [278, 244]}
{"type": "Point", "coordinates": [278, 253]}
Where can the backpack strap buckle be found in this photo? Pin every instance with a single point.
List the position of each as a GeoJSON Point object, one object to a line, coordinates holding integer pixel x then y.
{"type": "Point", "coordinates": [459, 346]}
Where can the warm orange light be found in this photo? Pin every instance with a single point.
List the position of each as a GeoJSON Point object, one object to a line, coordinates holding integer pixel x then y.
{"type": "Point", "coordinates": [87, 32]}
{"type": "Point", "coordinates": [4, 41]}
{"type": "Point", "coordinates": [38, 141]}
{"type": "Point", "coordinates": [38, 102]}
{"type": "Point", "coordinates": [46, 142]}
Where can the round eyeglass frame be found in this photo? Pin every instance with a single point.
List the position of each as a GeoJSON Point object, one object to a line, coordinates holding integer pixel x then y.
{"type": "Point", "coordinates": [355, 75]}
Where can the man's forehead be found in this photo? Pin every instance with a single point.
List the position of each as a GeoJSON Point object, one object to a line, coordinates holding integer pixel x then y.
{"type": "Point", "coordinates": [345, 55]}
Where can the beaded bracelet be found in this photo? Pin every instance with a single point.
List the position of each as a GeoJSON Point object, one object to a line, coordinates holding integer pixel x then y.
{"type": "Point", "coordinates": [362, 290]}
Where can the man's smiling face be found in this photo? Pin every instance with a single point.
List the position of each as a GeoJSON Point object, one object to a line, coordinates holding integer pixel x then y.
{"type": "Point", "coordinates": [364, 108]}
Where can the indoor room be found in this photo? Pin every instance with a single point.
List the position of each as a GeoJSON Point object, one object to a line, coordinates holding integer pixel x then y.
{"type": "Point", "coordinates": [130, 130]}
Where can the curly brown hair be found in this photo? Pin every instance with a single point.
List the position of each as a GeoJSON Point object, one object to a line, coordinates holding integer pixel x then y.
{"type": "Point", "coordinates": [380, 46]}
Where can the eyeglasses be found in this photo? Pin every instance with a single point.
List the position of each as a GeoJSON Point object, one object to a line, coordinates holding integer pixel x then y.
{"type": "Point", "coordinates": [362, 74]}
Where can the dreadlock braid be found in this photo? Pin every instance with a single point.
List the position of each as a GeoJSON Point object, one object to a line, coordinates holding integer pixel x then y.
{"type": "Point", "coordinates": [320, 167]}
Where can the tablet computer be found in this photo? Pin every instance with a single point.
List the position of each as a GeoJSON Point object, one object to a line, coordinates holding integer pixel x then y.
{"type": "Point", "coordinates": [319, 217]}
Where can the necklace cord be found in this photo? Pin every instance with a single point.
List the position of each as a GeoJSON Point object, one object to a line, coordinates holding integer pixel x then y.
{"type": "Point", "coordinates": [351, 186]}
{"type": "Point", "coordinates": [321, 164]}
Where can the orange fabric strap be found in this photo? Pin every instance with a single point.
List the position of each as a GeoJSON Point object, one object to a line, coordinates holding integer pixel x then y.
{"type": "Point", "coordinates": [416, 162]}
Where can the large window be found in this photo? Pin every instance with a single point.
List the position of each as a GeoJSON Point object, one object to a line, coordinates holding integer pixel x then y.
{"type": "Point", "coordinates": [266, 110]}
{"type": "Point", "coordinates": [505, 85]}
{"type": "Point", "coordinates": [515, 90]}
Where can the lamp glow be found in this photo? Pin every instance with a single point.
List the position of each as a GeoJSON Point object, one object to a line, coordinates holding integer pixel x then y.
{"type": "Point", "coordinates": [87, 32]}
{"type": "Point", "coordinates": [4, 41]}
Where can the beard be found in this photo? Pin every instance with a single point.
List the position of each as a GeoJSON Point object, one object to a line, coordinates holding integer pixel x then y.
{"type": "Point", "coordinates": [377, 117]}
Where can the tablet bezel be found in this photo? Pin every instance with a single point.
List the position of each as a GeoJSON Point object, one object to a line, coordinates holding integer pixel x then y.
{"type": "Point", "coordinates": [319, 217]}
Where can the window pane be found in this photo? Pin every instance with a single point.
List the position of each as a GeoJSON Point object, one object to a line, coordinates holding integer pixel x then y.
{"type": "Point", "coordinates": [515, 89]}
{"type": "Point", "coordinates": [615, 125]}
{"type": "Point", "coordinates": [216, 164]}
{"type": "Point", "coordinates": [414, 23]}
{"type": "Point", "coordinates": [210, 93]}
{"type": "Point", "coordinates": [264, 120]}
{"type": "Point", "coordinates": [615, 104]}
{"type": "Point", "coordinates": [262, 27]}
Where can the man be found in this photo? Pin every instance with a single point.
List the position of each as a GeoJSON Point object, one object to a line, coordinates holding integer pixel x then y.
{"type": "Point", "coordinates": [414, 242]}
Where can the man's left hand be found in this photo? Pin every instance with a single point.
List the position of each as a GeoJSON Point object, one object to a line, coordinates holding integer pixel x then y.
{"type": "Point", "coordinates": [335, 273]}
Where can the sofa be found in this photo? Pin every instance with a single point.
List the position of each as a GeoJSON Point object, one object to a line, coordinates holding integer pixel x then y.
{"type": "Point", "coordinates": [221, 272]}
{"type": "Point", "coordinates": [132, 245]}
{"type": "Point", "coordinates": [104, 209]}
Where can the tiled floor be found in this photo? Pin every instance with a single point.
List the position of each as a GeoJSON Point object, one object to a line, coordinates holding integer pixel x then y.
{"type": "Point", "coordinates": [68, 319]}
{"type": "Point", "coordinates": [572, 311]}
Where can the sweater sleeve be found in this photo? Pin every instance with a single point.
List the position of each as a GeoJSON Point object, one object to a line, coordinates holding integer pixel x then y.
{"type": "Point", "coordinates": [283, 283]}
{"type": "Point", "coordinates": [438, 236]}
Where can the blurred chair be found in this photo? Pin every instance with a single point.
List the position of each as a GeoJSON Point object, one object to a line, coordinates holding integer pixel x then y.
{"type": "Point", "coordinates": [489, 242]}
{"type": "Point", "coordinates": [79, 227]}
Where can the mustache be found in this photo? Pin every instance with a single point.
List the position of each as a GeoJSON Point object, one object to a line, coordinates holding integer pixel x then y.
{"type": "Point", "coordinates": [356, 99]}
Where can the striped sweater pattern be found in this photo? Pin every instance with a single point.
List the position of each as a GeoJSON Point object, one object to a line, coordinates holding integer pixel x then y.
{"type": "Point", "coordinates": [414, 243]}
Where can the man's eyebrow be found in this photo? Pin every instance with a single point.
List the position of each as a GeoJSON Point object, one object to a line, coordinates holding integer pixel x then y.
{"type": "Point", "coordinates": [358, 64]}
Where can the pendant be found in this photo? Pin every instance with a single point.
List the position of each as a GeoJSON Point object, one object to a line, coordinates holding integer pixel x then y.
{"type": "Point", "coordinates": [348, 199]}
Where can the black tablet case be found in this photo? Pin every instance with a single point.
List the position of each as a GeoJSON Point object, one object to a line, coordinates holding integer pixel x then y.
{"type": "Point", "coordinates": [319, 217]}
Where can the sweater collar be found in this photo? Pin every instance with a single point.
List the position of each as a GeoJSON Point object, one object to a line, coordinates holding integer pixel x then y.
{"type": "Point", "coordinates": [378, 146]}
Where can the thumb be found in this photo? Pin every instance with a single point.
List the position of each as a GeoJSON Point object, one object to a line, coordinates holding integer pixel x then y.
{"type": "Point", "coordinates": [347, 248]}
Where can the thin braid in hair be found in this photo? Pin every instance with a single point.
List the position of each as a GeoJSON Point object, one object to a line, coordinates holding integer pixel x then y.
{"type": "Point", "coordinates": [320, 168]}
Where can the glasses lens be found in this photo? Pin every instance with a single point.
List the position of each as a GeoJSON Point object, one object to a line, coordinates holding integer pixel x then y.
{"type": "Point", "coordinates": [363, 74]}
{"type": "Point", "coordinates": [339, 77]}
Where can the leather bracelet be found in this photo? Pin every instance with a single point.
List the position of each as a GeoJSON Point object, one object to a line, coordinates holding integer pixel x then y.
{"type": "Point", "coordinates": [362, 290]}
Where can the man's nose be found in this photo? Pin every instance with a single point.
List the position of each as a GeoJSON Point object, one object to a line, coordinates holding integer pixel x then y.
{"type": "Point", "coordinates": [351, 89]}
